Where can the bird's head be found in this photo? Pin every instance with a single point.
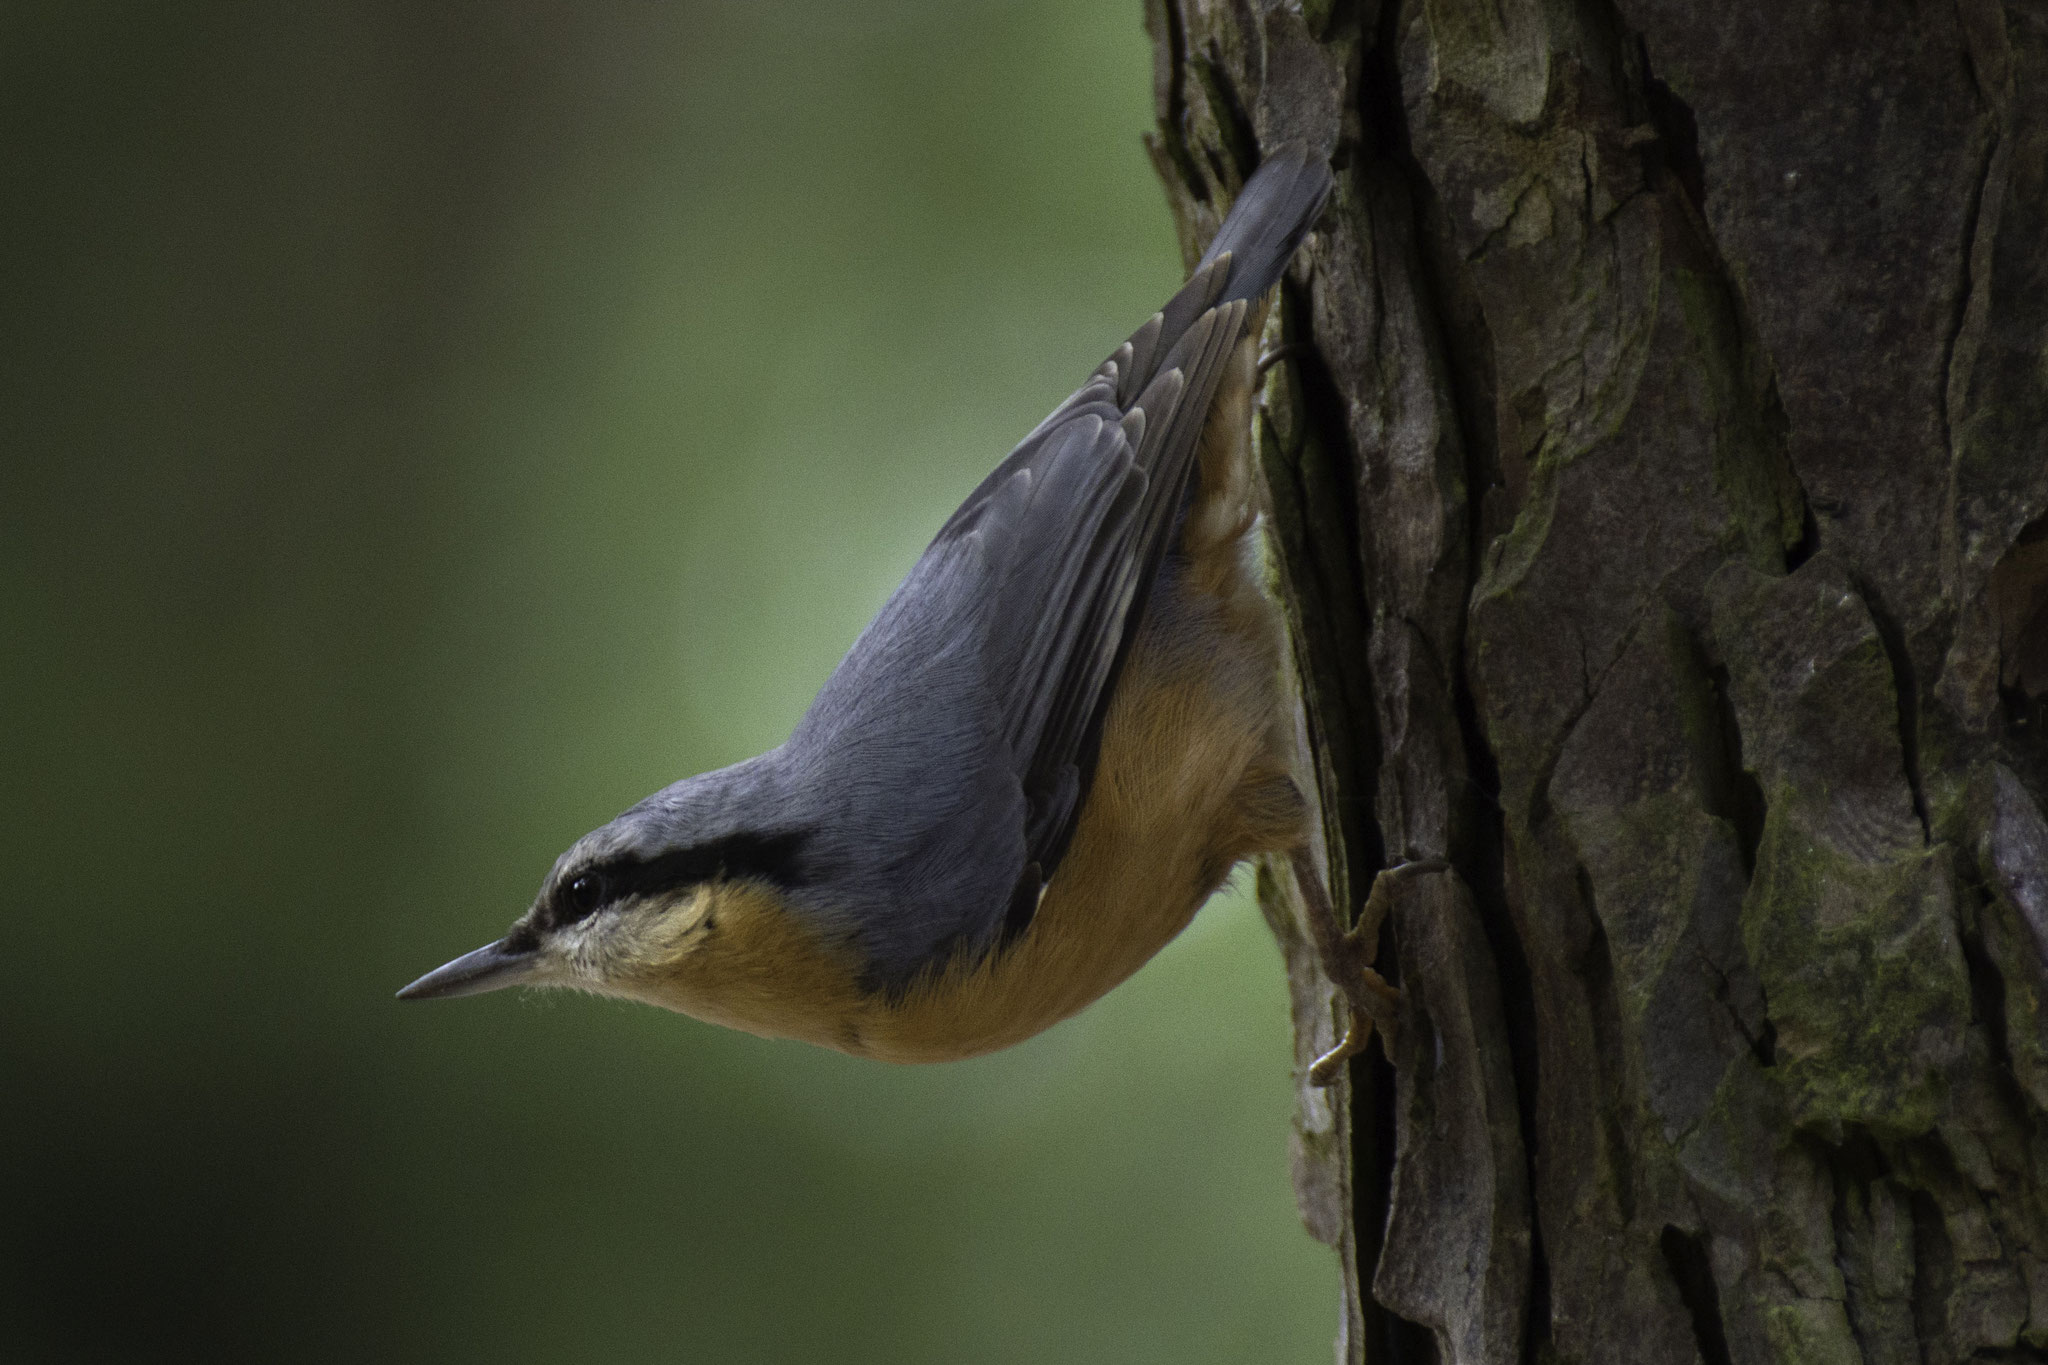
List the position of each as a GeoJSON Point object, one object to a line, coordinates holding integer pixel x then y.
{"type": "Point", "coordinates": [676, 903]}
{"type": "Point", "coordinates": [614, 914]}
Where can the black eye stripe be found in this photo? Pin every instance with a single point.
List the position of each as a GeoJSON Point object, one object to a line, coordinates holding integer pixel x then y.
{"type": "Point", "coordinates": [776, 858]}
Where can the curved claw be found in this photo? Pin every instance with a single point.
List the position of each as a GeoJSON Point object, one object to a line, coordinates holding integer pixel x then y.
{"type": "Point", "coordinates": [1291, 350]}
{"type": "Point", "coordinates": [1326, 1068]}
{"type": "Point", "coordinates": [1365, 1021]}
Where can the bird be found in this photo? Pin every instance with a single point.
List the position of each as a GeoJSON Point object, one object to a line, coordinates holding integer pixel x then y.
{"type": "Point", "coordinates": [1057, 738]}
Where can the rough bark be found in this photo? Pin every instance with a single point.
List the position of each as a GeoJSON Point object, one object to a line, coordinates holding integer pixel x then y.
{"type": "Point", "coordinates": [1659, 480]}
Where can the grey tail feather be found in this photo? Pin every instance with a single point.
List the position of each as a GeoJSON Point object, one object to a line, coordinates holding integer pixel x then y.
{"type": "Point", "coordinates": [1272, 214]}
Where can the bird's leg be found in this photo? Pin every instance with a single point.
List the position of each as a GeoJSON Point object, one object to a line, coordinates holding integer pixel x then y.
{"type": "Point", "coordinates": [1348, 954]}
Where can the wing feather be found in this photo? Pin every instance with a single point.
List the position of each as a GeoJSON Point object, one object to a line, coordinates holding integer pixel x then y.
{"type": "Point", "coordinates": [1023, 611]}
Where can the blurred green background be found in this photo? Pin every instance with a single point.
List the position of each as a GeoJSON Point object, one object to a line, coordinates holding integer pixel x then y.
{"type": "Point", "coordinates": [425, 430]}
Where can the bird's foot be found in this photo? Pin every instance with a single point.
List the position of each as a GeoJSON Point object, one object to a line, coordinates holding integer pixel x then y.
{"type": "Point", "coordinates": [1348, 956]}
{"type": "Point", "coordinates": [1374, 1005]}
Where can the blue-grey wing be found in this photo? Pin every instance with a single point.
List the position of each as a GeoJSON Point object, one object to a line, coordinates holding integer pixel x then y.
{"type": "Point", "coordinates": [946, 761]}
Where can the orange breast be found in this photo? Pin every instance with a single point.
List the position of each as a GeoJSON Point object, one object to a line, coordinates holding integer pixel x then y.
{"type": "Point", "coordinates": [1163, 825]}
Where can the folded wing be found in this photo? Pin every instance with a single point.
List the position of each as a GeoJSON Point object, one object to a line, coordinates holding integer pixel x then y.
{"type": "Point", "coordinates": [991, 669]}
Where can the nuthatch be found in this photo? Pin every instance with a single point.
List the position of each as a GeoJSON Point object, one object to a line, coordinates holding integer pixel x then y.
{"type": "Point", "coordinates": [1054, 742]}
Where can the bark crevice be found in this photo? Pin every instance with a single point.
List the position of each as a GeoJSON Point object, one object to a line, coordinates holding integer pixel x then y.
{"type": "Point", "coordinates": [1906, 685]}
{"type": "Point", "coordinates": [1685, 1256]}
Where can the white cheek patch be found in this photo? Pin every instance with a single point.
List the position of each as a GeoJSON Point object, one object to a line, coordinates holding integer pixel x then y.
{"type": "Point", "coordinates": [605, 951]}
{"type": "Point", "coordinates": [573, 958]}
{"type": "Point", "coordinates": [667, 929]}
{"type": "Point", "coordinates": [579, 952]}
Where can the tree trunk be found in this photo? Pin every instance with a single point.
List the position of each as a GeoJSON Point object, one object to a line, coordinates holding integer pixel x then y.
{"type": "Point", "coordinates": [1659, 473]}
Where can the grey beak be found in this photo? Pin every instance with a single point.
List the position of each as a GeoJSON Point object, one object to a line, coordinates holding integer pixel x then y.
{"type": "Point", "coordinates": [490, 968]}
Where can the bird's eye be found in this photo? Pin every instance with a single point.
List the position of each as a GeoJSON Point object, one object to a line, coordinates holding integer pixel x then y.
{"type": "Point", "coordinates": [582, 897]}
